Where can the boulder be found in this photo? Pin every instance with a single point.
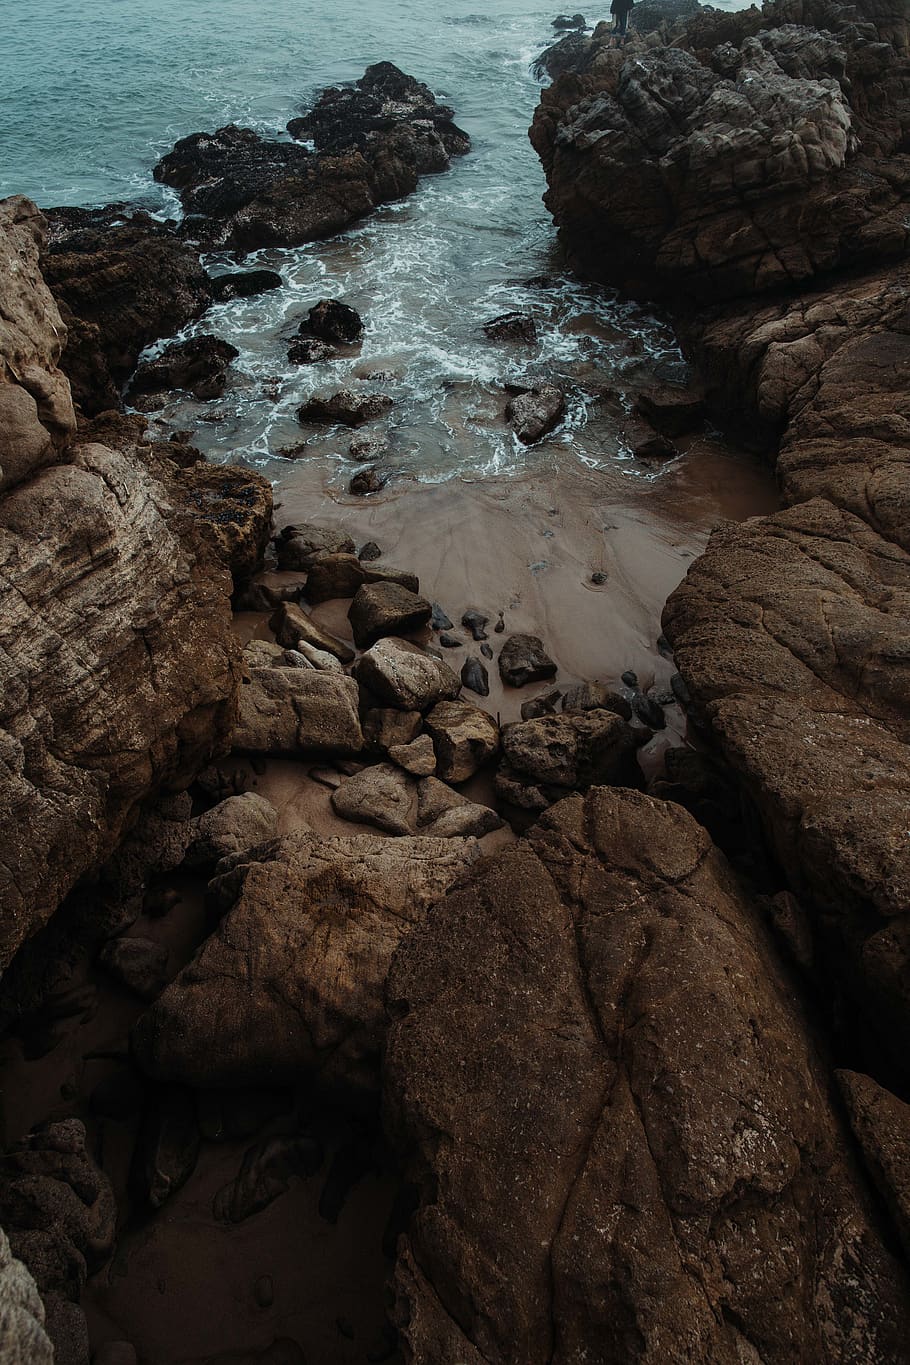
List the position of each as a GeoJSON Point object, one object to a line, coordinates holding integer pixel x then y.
{"type": "Point", "coordinates": [335, 575]}
{"type": "Point", "coordinates": [464, 738]}
{"type": "Point", "coordinates": [345, 408]}
{"type": "Point", "coordinates": [382, 795]}
{"type": "Point", "coordinates": [333, 321]}
{"type": "Point", "coordinates": [618, 1125]}
{"type": "Point", "coordinates": [243, 284]}
{"type": "Point", "coordinates": [299, 545]}
{"type": "Point", "coordinates": [534, 413]}
{"type": "Point", "coordinates": [309, 351]}
{"type": "Point", "coordinates": [140, 964]}
{"type": "Point", "coordinates": [295, 711]}
{"type": "Point", "coordinates": [401, 674]}
{"type": "Point", "coordinates": [291, 625]}
{"type": "Point", "coordinates": [36, 410]}
{"type": "Point", "coordinates": [444, 813]}
{"type": "Point", "coordinates": [574, 750]}
{"type": "Point", "coordinates": [381, 609]}
{"type": "Point", "coordinates": [198, 365]}
{"type": "Point", "coordinates": [524, 660]}
{"type": "Point", "coordinates": [291, 983]}
{"type": "Point", "coordinates": [122, 281]}
{"type": "Point", "coordinates": [231, 507]}
{"type": "Point", "coordinates": [23, 1340]}
{"type": "Point", "coordinates": [233, 826]}
{"type": "Point", "coordinates": [385, 726]}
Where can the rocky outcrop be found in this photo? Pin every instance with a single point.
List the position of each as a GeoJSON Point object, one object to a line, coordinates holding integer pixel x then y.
{"type": "Point", "coordinates": [36, 411]}
{"type": "Point", "coordinates": [372, 142]}
{"type": "Point", "coordinates": [118, 665]}
{"type": "Point", "coordinates": [765, 153]}
{"type": "Point", "coordinates": [621, 1135]}
{"type": "Point", "coordinates": [122, 280]}
{"type": "Point", "coordinates": [291, 983]}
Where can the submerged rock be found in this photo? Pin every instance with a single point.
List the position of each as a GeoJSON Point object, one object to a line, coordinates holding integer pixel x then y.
{"type": "Point", "coordinates": [333, 321]}
{"type": "Point", "coordinates": [534, 413]}
{"type": "Point", "coordinates": [346, 407]}
{"type": "Point", "coordinates": [243, 284]}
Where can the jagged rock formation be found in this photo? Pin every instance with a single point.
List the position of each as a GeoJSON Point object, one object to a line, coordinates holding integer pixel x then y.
{"type": "Point", "coordinates": [621, 1134]}
{"type": "Point", "coordinates": [121, 280]}
{"type": "Point", "coordinates": [118, 666]}
{"type": "Point", "coordinates": [759, 155]}
{"type": "Point", "coordinates": [372, 142]}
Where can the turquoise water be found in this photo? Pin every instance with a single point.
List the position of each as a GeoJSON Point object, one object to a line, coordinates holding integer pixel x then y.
{"type": "Point", "coordinates": [93, 91]}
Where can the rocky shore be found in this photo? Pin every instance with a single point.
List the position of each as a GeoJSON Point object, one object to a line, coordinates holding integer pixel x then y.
{"type": "Point", "coordinates": [370, 977]}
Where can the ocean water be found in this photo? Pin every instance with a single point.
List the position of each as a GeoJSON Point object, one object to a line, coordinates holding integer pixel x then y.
{"type": "Point", "coordinates": [91, 93]}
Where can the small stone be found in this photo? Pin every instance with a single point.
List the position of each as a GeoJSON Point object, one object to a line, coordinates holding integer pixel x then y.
{"type": "Point", "coordinates": [365, 448]}
{"type": "Point", "coordinates": [333, 321]}
{"type": "Point", "coordinates": [486, 650]}
{"type": "Point", "coordinates": [648, 711]}
{"type": "Point", "coordinates": [140, 964]}
{"type": "Point", "coordinates": [543, 706]}
{"type": "Point", "coordinates": [629, 678]}
{"type": "Point", "coordinates": [500, 624]}
{"type": "Point", "coordinates": [385, 726]}
{"type": "Point", "coordinates": [243, 284]}
{"type": "Point", "coordinates": [511, 327]}
{"type": "Point", "coordinates": [475, 621]}
{"type": "Point", "coordinates": [535, 412]}
{"type": "Point", "coordinates": [450, 641]}
{"type": "Point", "coordinates": [367, 553]}
{"type": "Point", "coordinates": [334, 575]}
{"type": "Point", "coordinates": [344, 408]}
{"type": "Point", "coordinates": [417, 758]}
{"type": "Point", "coordinates": [439, 620]}
{"type": "Point", "coordinates": [370, 480]}
{"type": "Point", "coordinates": [599, 578]}
{"type": "Point", "coordinates": [475, 677]}
{"type": "Point", "coordinates": [464, 737]}
{"type": "Point", "coordinates": [309, 351]}
{"type": "Point", "coordinates": [293, 627]}
{"type": "Point", "coordinates": [594, 696]}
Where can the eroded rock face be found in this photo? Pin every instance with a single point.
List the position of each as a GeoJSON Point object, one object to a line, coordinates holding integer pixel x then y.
{"type": "Point", "coordinates": [119, 669]}
{"type": "Point", "coordinates": [36, 411]}
{"type": "Point", "coordinates": [292, 980]}
{"type": "Point", "coordinates": [372, 144]}
{"type": "Point", "coordinates": [232, 509]}
{"type": "Point", "coordinates": [736, 161]}
{"type": "Point", "coordinates": [122, 281]}
{"type": "Point", "coordinates": [645, 1164]}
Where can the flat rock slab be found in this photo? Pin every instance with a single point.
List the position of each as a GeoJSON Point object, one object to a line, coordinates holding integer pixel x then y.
{"type": "Point", "coordinates": [621, 1131]}
{"type": "Point", "coordinates": [298, 710]}
{"type": "Point", "coordinates": [291, 983]}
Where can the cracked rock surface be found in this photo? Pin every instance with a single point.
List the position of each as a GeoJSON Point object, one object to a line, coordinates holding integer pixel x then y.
{"type": "Point", "coordinates": [621, 1133]}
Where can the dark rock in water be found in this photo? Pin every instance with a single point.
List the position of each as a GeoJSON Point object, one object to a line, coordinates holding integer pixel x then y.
{"type": "Point", "coordinates": [512, 327]}
{"type": "Point", "coordinates": [563, 21]}
{"type": "Point", "coordinates": [380, 609]}
{"type": "Point", "coordinates": [655, 447]}
{"type": "Point", "coordinates": [198, 366]}
{"type": "Point", "coordinates": [598, 578]}
{"type": "Point", "coordinates": [475, 621]}
{"type": "Point", "coordinates": [367, 447]}
{"type": "Point", "coordinates": [486, 650]}
{"type": "Point", "coordinates": [535, 412]}
{"type": "Point", "coordinates": [167, 1147]}
{"type": "Point", "coordinates": [475, 677]}
{"type": "Point", "coordinates": [265, 1173]}
{"type": "Point", "coordinates": [122, 280]}
{"type": "Point", "coordinates": [373, 141]}
{"type": "Point", "coordinates": [369, 480]}
{"type": "Point", "coordinates": [345, 407]}
{"type": "Point", "coordinates": [671, 408]}
{"type": "Point", "coordinates": [629, 678]}
{"type": "Point", "coordinates": [368, 552]}
{"type": "Point", "coordinates": [299, 545]}
{"type": "Point", "coordinates": [541, 706]}
{"type": "Point", "coordinates": [524, 660]}
{"type": "Point", "coordinates": [439, 620]}
{"type": "Point", "coordinates": [309, 351]}
{"type": "Point", "coordinates": [140, 964]}
{"type": "Point", "coordinates": [450, 641]}
{"type": "Point", "coordinates": [243, 284]}
{"type": "Point", "coordinates": [333, 321]}
{"type": "Point", "coordinates": [647, 710]}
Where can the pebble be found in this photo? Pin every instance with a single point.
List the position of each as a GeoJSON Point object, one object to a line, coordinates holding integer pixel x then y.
{"type": "Point", "coordinates": [369, 552]}
{"type": "Point", "coordinates": [599, 578]}
{"type": "Point", "coordinates": [450, 641]}
{"type": "Point", "coordinates": [500, 624]}
{"type": "Point", "coordinates": [439, 620]}
{"type": "Point", "coordinates": [475, 622]}
{"type": "Point", "coordinates": [475, 677]}
{"type": "Point", "coordinates": [629, 678]}
{"type": "Point", "coordinates": [486, 651]}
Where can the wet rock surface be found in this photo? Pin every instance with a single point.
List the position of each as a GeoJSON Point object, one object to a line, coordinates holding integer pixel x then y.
{"type": "Point", "coordinates": [199, 366]}
{"type": "Point", "coordinates": [373, 141]}
{"type": "Point", "coordinates": [562, 1171]}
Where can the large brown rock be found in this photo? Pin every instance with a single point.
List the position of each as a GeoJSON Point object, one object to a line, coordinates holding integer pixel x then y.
{"type": "Point", "coordinates": [232, 508]}
{"type": "Point", "coordinates": [618, 1125]}
{"type": "Point", "coordinates": [380, 609]}
{"type": "Point", "coordinates": [298, 710]}
{"type": "Point", "coordinates": [36, 411]}
{"type": "Point", "coordinates": [291, 983]}
{"type": "Point", "coordinates": [118, 669]}
{"type": "Point", "coordinates": [403, 675]}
